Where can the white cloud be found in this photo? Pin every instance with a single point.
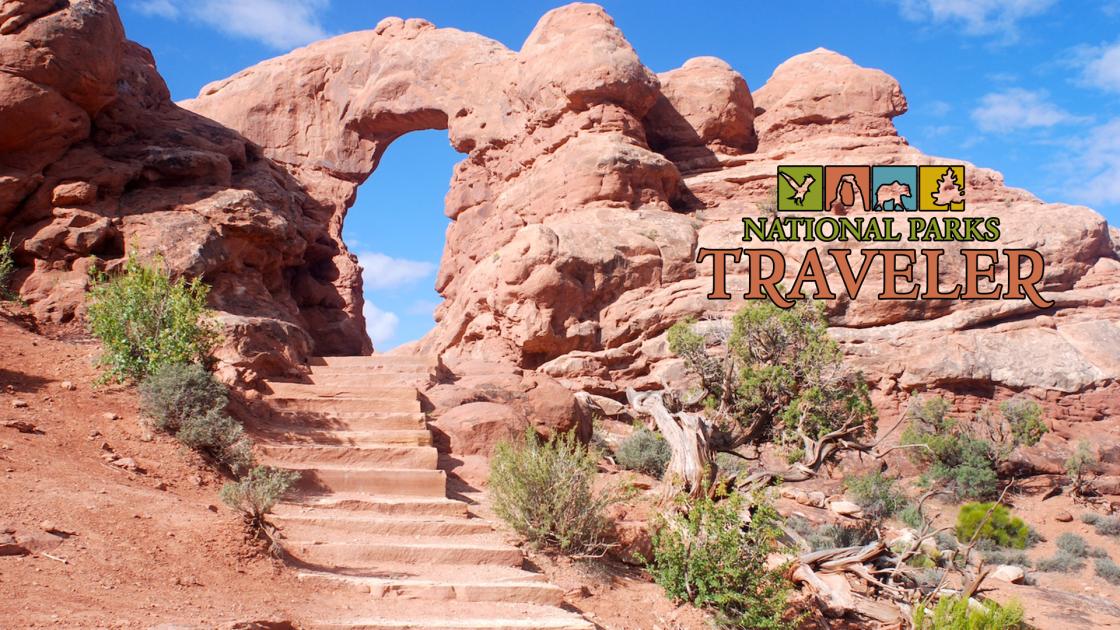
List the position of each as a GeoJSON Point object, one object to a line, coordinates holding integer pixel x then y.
{"type": "Point", "coordinates": [424, 307]}
{"type": "Point", "coordinates": [380, 325]}
{"type": "Point", "coordinates": [281, 24]}
{"type": "Point", "coordinates": [1102, 68]}
{"type": "Point", "coordinates": [1015, 108]}
{"type": "Point", "coordinates": [162, 8]}
{"type": "Point", "coordinates": [976, 17]}
{"type": "Point", "coordinates": [940, 109]}
{"type": "Point", "coordinates": [380, 271]}
{"type": "Point", "coordinates": [1098, 159]}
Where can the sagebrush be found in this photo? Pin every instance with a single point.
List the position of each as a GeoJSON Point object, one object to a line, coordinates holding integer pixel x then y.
{"type": "Point", "coordinates": [877, 494]}
{"type": "Point", "coordinates": [545, 491]}
{"type": "Point", "coordinates": [186, 401]}
{"type": "Point", "coordinates": [644, 451]}
{"type": "Point", "coordinates": [703, 553]}
{"type": "Point", "coordinates": [257, 492]}
{"type": "Point", "coordinates": [965, 464]}
{"type": "Point", "coordinates": [145, 320]}
{"type": "Point", "coordinates": [1108, 570]}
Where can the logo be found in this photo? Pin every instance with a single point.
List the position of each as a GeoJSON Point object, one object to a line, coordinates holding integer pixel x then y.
{"type": "Point", "coordinates": [893, 232]}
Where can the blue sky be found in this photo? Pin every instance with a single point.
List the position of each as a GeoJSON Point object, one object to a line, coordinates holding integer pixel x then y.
{"type": "Point", "coordinates": [1028, 87]}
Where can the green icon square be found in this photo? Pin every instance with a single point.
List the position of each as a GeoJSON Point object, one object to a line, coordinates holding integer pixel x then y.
{"type": "Point", "coordinates": [800, 188]}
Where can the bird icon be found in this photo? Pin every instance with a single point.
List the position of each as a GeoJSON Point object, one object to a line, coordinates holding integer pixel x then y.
{"type": "Point", "coordinates": [799, 190]}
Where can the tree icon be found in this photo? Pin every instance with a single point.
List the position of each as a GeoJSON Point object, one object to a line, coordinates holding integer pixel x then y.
{"type": "Point", "coordinates": [949, 191]}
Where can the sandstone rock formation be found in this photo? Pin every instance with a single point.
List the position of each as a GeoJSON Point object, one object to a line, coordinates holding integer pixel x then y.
{"type": "Point", "coordinates": [587, 185]}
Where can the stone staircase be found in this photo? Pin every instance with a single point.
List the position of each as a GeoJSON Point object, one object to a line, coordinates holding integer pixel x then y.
{"type": "Point", "coordinates": [370, 519]}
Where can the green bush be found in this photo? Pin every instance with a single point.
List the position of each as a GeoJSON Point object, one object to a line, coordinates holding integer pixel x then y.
{"type": "Point", "coordinates": [1074, 545]}
{"type": "Point", "coordinates": [7, 267]}
{"type": "Point", "coordinates": [173, 393]}
{"type": "Point", "coordinates": [145, 320]}
{"type": "Point", "coordinates": [1080, 462]}
{"type": "Point", "coordinates": [966, 464]}
{"type": "Point", "coordinates": [911, 517]}
{"type": "Point", "coordinates": [545, 491]}
{"type": "Point", "coordinates": [1061, 562]}
{"type": "Point", "coordinates": [706, 555]}
{"type": "Point", "coordinates": [1000, 527]}
{"type": "Point", "coordinates": [774, 376]}
{"type": "Point", "coordinates": [954, 613]}
{"type": "Point", "coordinates": [256, 493]}
{"type": "Point", "coordinates": [1025, 418]}
{"type": "Point", "coordinates": [644, 451]}
{"type": "Point", "coordinates": [1108, 570]}
{"type": "Point", "coordinates": [877, 494]}
{"type": "Point", "coordinates": [831, 536]}
{"type": "Point", "coordinates": [1107, 525]}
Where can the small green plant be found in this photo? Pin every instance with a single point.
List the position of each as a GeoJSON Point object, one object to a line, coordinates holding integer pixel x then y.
{"type": "Point", "coordinates": [257, 492]}
{"type": "Point", "coordinates": [1075, 545]}
{"type": "Point", "coordinates": [956, 613]}
{"type": "Point", "coordinates": [964, 463]}
{"type": "Point", "coordinates": [1025, 418]}
{"type": "Point", "coordinates": [1108, 570]}
{"type": "Point", "coordinates": [545, 491]}
{"type": "Point", "coordinates": [7, 267]}
{"type": "Point", "coordinates": [999, 527]}
{"type": "Point", "coordinates": [1061, 562]}
{"type": "Point", "coordinates": [704, 554]}
{"type": "Point", "coordinates": [911, 516]}
{"type": "Point", "coordinates": [830, 536]}
{"type": "Point", "coordinates": [1078, 464]}
{"type": "Point", "coordinates": [145, 320]}
{"type": "Point", "coordinates": [644, 451]}
{"type": "Point", "coordinates": [877, 494]}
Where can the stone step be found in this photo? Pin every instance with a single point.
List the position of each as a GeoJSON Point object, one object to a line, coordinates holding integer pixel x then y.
{"type": "Point", "coordinates": [286, 455]}
{"type": "Point", "coordinates": [341, 390]}
{"type": "Point", "coordinates": [376, 360]}
{"type": "Point", "coordinates": [349, 420]}
{"type": "Point", "coordinates": [475, 585]}
{"type": "Point", "coordinates": [376, 552]}
{"type": "Point", "coordinates": [376, 481]}
{"type": "Point", "coordinates": [392, 614]}
{"type": "Point", "coordinates": [324, 405]}
{"type": "Point", "coordinates": [341, 437]}
{"type": "Point", "coordinates": [358, 503]}
{"type": "Point", "coordinates": [344, 526]}
{"type": "Point", "coordinates": [348, 377]}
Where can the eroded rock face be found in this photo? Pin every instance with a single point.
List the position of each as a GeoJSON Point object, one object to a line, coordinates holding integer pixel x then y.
{"type": "Point", "coordinates": [587, 185]}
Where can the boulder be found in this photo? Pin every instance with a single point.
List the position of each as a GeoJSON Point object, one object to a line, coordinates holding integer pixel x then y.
{"type": "Point", "coordinates": [845, 508]}
{"type": "Point", "coordinates": [1008, 573]}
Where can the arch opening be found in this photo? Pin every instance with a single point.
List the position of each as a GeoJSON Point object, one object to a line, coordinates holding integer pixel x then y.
{"type": "Point", "coordinates": [397, 229]}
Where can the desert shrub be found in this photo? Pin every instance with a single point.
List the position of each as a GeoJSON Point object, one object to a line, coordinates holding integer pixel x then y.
{"type": "Point", "coordinates": [877, 494]}
{"type": "Point", "coordinates": [964, 463]}
{"type": "Point", "coordinates": [911, 516]}
{"type": "Point", "coordinates": [1025, 418]}
{"type": "Point", "coordinates": [220, 437]}
{"type": "Point", "coordinates": [644, 451]}
{"type": "Point", "coordinates": [1000, 527]}
{"type": "Point", "coordinates": [1080, 462]}
{"type": "Point", "coordinates": [186, 401]}
{"type": "Point", "coordinates": [1073, 544]}
{"type": "Point", "coordinates": [1061, 562]}
{"type": "Point", "coordinates": [831, 536]}
{"type": "Point", "coordinates": [787, 378]}
{"type": "Point", "coordinates": [173, 393]}
{"type": "Point", "coordinates": [1108, 570]}
{"type": "Point", "coordinates": [1090, 518]}
{"type": "Point", "coordinates": [257, 492]}
{"type": "Point", "coordinates": [544, 490]}
{"type": "Point", "coordinates": [7, 267]}
{"type": "Point", "coordinates": [955, 613]}
{"type": "Point", "coordinates": [1003, 555]}
{"type": "Point", "coordinates": [706, 555]}
{"type": "Point", "coordinates": [1106, 525]}
{"type": "Point", "coordinates": [145, 320]}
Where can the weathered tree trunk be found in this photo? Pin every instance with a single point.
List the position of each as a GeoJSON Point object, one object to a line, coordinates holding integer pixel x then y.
{"type": "Point", "coordinates": [690, 467]}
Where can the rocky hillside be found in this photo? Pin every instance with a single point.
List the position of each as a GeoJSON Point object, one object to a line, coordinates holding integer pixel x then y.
{"type": "Point", "coordinates": [587, 185]}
